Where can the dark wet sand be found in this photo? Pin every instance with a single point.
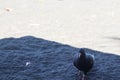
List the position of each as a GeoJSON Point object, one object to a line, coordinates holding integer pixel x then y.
{"type": "Point", "coordinates": [30, 58]}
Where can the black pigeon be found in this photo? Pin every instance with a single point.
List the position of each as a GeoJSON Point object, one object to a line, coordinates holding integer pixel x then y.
{"type": "Point", "coordinates": [83, 61]}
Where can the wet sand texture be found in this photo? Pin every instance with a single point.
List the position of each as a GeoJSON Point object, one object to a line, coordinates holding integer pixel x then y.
{"type": "Point", "coordinates": [30, 58]}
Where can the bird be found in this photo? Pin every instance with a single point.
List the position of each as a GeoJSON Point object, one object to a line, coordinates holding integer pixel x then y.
{"type": "Point", "coordinates": [83, 61]}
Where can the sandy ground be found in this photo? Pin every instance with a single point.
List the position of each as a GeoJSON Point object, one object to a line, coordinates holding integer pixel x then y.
{"type": "Point", "coordinates": [93, 24]}
{"type": "Point", "coordinates": [30, 58]}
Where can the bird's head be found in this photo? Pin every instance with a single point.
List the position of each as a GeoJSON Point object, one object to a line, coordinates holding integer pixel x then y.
{"type": "Point", "coordinates": [82, 52]}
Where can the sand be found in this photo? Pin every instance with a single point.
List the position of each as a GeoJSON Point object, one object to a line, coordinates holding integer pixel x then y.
{"type": "Point", "coordinates": [58, 25]}
{"type": "Point", "coordinates": [30, 58]}
{"type": "Point", "coordinates": [81, 23]}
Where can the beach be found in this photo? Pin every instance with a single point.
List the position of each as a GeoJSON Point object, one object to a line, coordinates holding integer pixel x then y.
{"type": "Point", "coordinates": [39, 38]}
{"type": "Point", "coordinates": [30, 58]}
{"type": "Point", "coordinates": [80, 23]}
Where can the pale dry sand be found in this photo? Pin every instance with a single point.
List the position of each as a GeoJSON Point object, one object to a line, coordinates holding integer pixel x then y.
{"type": "Point", "coordinates": [93, 24]}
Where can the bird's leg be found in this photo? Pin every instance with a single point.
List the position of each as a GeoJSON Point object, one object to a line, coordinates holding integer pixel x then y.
{"type": "Point", "coordinates": [83, 77]}
{"type": "Point", "coordinates": [79, 72]}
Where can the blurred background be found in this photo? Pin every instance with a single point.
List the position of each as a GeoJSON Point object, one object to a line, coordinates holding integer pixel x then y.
{"type": "Point", "coordinates": [93, 24]}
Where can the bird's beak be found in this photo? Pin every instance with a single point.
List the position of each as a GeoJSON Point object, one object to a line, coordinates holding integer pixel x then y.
{"type": "Point", "coordinates": [79, 54]}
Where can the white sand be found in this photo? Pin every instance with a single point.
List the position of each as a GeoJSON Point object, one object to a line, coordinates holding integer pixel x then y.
{"type": "Point", "coordinates": [93, 24]}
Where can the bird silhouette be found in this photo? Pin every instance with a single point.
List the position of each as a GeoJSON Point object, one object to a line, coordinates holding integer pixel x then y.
{"type": "Point", "coordinates": [84, 62]}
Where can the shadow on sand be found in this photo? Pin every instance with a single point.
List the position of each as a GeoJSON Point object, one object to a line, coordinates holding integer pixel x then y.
{"type": "Point", "coordinates": [113, 38]}
{"type": "Point", "coordinates": [30, 58]}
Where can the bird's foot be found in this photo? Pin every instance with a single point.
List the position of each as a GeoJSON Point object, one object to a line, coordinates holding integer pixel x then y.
{"type": "Point", "coordinates": [83, 77]}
